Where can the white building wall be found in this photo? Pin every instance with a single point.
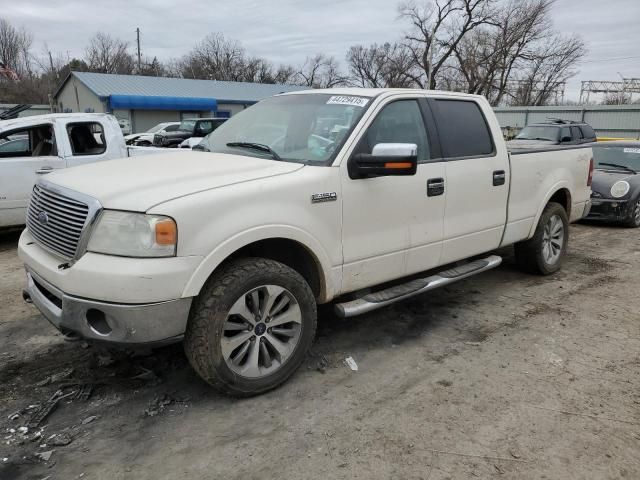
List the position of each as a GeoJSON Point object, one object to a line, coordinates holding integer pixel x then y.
{"type": "Point", "coordinates": [78, 98]}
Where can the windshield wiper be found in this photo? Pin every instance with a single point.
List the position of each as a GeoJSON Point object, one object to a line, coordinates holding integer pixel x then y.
{"type": "Point", "coordinates": [256, 146]}
{"type": "Point", "coordinates": [628, 169]}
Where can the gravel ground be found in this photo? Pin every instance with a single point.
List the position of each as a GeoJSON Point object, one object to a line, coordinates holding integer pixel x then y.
{"type": "Point", "coordinates": [503, 375]}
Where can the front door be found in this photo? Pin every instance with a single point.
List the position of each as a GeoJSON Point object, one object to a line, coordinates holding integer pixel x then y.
{"type": "Point", "coordinates": [24, 155]}
{"type": "Point", "coordinates": [392, 226]}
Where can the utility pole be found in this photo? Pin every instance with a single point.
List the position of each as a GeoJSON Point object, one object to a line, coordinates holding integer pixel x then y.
{"type": "Point", "coordinates": [138, 42]}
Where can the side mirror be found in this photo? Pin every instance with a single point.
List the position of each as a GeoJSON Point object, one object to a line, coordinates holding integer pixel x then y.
{"type": "Point", "coordinates": [565, 139]}
{"type": "Point", "coordinates": [386, 159]}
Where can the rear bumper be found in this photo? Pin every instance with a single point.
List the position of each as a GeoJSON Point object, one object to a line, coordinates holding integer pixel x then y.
{"type": "Point", "coordinates": [150, 323]}
{"type": "Point", "coordinates": [611, 210]}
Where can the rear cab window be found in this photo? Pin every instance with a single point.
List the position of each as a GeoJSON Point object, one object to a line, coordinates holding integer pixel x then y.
{"type": "Point", "coordinates": [463, 129]}
{"type": "Point", "coordinates": [86, 138]}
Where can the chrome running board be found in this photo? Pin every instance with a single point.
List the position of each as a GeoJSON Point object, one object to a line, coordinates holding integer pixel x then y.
{"type": "Point", "coordinates": [382, 298]}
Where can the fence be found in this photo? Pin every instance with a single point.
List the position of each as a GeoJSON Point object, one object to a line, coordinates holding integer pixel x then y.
{"type": "Point", "coordinates": [619, 121]}
{"type": "Point", "coordinates": [33, 110]}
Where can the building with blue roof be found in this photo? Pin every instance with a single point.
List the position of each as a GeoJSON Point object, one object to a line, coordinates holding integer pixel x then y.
{"type": "Point", "coordinates": [142, 102]}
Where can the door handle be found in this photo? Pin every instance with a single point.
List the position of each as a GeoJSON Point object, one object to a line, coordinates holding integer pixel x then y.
{"type": "Point", "coordinates": [44, 170]}
{"type": "Point", "coordinates": [499, 177]}
{"type": "Point", "coordinates": [435, 187]}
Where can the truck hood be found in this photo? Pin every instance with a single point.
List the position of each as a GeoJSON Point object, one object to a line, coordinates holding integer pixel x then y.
{"type": "Point", "coordinates": [139, 183]}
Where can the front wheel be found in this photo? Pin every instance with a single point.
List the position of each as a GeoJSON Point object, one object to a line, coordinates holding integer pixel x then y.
{"type": "Point", "coordinates": [543, 253]}
{"type": "Point", "coordinates": [634, 217]}
{"type": "Point", "coordinates": [251, 326]}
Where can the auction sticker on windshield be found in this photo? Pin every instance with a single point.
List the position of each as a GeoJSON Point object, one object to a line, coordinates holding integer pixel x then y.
{"type": "Point", "coordinates": [348, 100]}
{"type": "Point", "coordinates": [632, 150]}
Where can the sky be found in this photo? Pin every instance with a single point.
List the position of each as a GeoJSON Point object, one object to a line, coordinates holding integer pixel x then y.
{"type": "Point", "coordinates": [289, 30]}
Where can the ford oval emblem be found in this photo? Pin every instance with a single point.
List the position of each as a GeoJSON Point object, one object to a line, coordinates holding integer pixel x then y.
{"type": "Point", "coordinates": [43, 218]}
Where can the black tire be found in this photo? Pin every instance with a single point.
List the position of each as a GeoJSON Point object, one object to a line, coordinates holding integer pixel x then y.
{"type": "Point", "coordinates": [203, 338]}
{"type": "Point", "coordinates": [529, 254]}
{"type": "Point", "coordinates": [634, 215]}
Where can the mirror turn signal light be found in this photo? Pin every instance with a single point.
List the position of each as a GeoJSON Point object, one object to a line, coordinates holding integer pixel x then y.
{"type": "Point", "coordinates": [398, 165]}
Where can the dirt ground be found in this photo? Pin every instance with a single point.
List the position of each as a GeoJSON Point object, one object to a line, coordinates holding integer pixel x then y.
{"type": "Point", "coordinates": [503, 375]}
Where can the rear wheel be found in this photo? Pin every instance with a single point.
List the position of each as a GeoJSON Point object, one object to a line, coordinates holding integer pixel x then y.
{"type": "Point", "coordinates": [251, 326]}
{"type": "Point", "coordinates": [543, 253]}
{"type": "Point", "coordinates": [634, 218]}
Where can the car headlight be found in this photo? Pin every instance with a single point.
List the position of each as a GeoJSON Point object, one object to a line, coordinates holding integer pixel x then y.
{"type": "Point", "coordinates": [620, 189]}
{"type": "Point", "coordinates": [131, 234]}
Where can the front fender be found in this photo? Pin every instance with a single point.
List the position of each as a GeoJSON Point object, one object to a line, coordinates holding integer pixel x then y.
{"type": "Point", "coordinates": [330, 277]}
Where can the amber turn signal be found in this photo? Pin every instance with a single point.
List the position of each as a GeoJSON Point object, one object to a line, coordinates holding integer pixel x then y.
{"type": "Point", "coordinates": [166, 232]}
{"type": "Point", "coordinates": [399, 165]}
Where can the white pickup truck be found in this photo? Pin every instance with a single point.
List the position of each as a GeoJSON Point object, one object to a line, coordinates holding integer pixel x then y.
{"type": "Point", "coordinates": [352, 196]}
{"type": "Point", "coordinates": [37, 145]}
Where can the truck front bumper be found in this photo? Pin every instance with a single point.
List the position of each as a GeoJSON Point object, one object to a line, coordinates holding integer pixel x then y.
{"type": "Point", "coordinates": [129, 324]}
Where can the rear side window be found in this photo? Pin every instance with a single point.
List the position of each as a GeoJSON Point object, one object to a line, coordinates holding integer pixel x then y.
{"type": "Point", "coordinates": [463, 129]}
{"type": "Point", "coordinates": [172, 128]}
{"type": "Point", "coordinates": [576, 133]}
{"type": "Point", "coordinates": [86, 138]}
{"type": "Point", "coordinates": [588, 132]}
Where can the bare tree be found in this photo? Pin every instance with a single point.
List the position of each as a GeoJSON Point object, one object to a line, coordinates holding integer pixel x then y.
{"type": "Point", "coordinates": [15, 47]}
{"type": "Point", "coordinates": [552, 64]}
{"type": "Point", "coordinates": [106, 54]}
{"type": "Point", "coordinates": [617, 98]}
{"type": "Point", "coordinates": [215, 58]}
{"type": "Point", "coordinates": [377, 66]}
{"type": "Point", "coordinates": [320, 71]}
{"type": "Point", "coordinates": [436, 30]}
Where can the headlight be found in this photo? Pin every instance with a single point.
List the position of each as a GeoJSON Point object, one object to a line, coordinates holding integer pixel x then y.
{"type": "Point", "coordinates": [620, 189]}
{"type": "Point", "coordinates": [130, 234]}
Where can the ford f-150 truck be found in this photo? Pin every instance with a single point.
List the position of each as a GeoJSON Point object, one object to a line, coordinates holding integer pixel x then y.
{"type": "Point", "coordinates": [37, 145]}
{"type": "Point", "coordinates": [353, 196]}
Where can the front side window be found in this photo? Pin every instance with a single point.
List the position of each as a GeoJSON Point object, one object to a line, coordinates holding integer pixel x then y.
{"type": "Point", "coordinates": [86, 138]}
{"type": "Point", "coordinates": [36, 141]}
{"type": "Point", "coordinates": [463, 129]}
{"type": "Point", "coordinates": [304, 128]}
{"type": "Point", "coordinates": [398, 122]}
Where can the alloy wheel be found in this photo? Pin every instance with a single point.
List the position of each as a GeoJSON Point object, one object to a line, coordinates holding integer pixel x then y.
{"type": "Point", "coordinates": [261, 331]}
{"type": "Point", "coordinates": [553, 240]}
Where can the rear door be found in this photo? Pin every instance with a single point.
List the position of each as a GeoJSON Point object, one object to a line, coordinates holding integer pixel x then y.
{"type": "Point", "coordinates": [477, 178]}
{"type": "Point", "coordinates": [25, 154]}
{"type": "Point", "coordinates": [90, 141]}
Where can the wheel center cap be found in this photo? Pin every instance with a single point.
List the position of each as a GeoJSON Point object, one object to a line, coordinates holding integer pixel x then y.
{"type": "Point", "coordinates": [260, 328]}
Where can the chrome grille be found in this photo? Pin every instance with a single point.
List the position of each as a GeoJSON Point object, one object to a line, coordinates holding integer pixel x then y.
{"type": "Point", "coordinates": [56, 221]}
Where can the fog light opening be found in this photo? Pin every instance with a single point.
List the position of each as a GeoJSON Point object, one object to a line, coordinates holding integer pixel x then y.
{"type": "Point", "coordinates": [97, 321]}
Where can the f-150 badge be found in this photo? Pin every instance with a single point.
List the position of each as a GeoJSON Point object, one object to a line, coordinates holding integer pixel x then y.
{"type": "Point", "coordinates": [324, 197]}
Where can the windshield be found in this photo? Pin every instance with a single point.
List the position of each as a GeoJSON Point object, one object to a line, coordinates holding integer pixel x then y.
{"type": "Point", "coordinates": [157, 128]}
{"type": "Point", "coordinates": [306, 128]}
{"type": "Point", "coordinates": [539, 133]}
{"type": "Point", "coordinates": [624, 156]}
{"type": "Point", "coordinates": [187, 125]}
